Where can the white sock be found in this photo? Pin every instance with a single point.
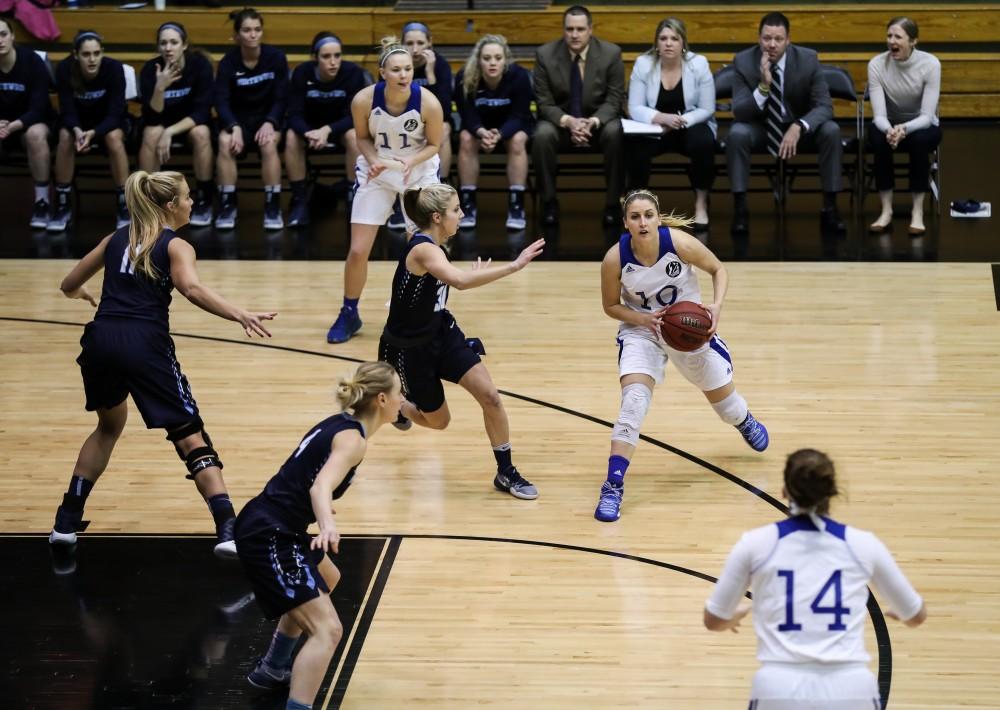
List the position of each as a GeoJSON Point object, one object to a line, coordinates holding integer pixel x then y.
{"type": "Point", "coordinates": [41, 192]}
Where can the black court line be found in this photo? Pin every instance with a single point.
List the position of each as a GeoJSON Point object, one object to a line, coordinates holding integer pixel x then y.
{"type": "Point", "coordinates": [878, 620]}
{"type": "Point", "coordinates": [996, 284]}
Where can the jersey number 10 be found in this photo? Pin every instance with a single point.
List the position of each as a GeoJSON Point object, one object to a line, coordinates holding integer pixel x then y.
{"type": "Point", "coordinates": [837, 609]}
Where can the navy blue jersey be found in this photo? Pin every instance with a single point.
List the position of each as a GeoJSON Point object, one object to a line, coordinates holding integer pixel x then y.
{"type": "Point", "coordinates": [418, 302]}
{"type": "Point", "coordinates": [261, 91]}
{"type": "Point", "coordinates": [443, 82]}
{"type": "Point", "coordinates": [506, 108]}
{"type": "Point", "coordinates": [130, 294]}
{"type": "Point", "coordinates": [188, 97]}
{"type": "Point", "coordinates": [313, 103]}
{"type": "Point", "coordinates": [97, 104]}
{"type": "Point", "coordinates": [286, 495]}
{"type": "Point", "coordinates": [24, 90]}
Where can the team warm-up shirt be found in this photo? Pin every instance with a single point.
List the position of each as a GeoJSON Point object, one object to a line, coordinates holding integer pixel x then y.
{"type": "Point", "coordinates": [24, 90]}
{"type": "Point", "coordinates": [443, 82]}
{"type": "Point", "coordinates": [97, 104]}
{"type": "Point", "coordinates": [188, 97]}
{"type": "Point", "coordinates": [262, 91]}
{"type": "Point", "coordinates": [506, 108]}
{"type": "Point", "coordinates": [313, 103]}
{"type": "Point", "coordinates": [810, 589]}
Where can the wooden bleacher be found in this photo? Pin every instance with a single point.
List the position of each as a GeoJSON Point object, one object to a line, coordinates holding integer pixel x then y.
{"type": "Point", "coordinates": [965, 37]}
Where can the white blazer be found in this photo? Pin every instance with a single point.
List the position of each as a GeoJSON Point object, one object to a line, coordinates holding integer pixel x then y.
{"type": "Point", "coordinates": [698, 85]}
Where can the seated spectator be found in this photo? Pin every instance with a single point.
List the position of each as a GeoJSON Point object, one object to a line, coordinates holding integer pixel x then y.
{"type": "Point", "coordinates": [250, 93]}
{"type": "Point", "coordinates": [176, 89]}
{"type": "Point", "coordinates": [433, 72]}
{"type": "Point", "coordinates": [904, 84]}
{"type": "Point", "coordinates": [493, 96]}
{"type": "Point", "coordinates": [319, 116]}
{"type": "Point", "coordinates": [781, 102]}
{"type": "Point", "coordinates": [92, 110]}
{"type": "Point", "coordinates": [24, 114]}
{"type": "Point", "coordinates": [580, 85]}
{"type": "Point", "coordinates": [672, 87]}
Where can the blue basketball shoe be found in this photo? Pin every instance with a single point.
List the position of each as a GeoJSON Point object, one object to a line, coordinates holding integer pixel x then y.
{"type": "Point", "coordinates": [343, 329]}
{"type": "Point", "coordinates": [754, 433]}
{"type": "Point", "coordinates": [266, 678]}
{"type": "Point", "coordinates": [609, 506]}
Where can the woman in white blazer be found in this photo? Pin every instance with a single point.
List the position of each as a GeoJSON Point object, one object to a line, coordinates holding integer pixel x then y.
{"type": "Point", "coordinates": [672, 87]}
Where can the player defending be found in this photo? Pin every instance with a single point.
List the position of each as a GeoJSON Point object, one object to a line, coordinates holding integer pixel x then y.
{"type": "Point", "coordinates": [651, 268]}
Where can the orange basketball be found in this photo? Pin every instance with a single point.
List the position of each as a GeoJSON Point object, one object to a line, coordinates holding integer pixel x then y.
{"type": "Point", "coordinates": [685, 326]}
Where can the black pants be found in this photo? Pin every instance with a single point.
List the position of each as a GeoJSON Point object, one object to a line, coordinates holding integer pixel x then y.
{"type": "Point", "coordinates": [550, 139]}
{"type": "Point", "coordinates": [696, 143]}
{"type": "Point", "coordinates": [919, 144]}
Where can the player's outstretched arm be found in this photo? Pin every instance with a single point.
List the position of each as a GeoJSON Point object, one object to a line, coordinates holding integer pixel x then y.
{"type": "Point", "coordinates": [185, 277]}
{"type": "Point", "coordinates": [432, 259]}
{"type": "Point", "coordinates": [74, 285]}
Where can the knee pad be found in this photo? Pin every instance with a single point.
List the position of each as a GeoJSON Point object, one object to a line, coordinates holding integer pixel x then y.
{"type": "Point", "coordinates": [195, 426]}
{"type": "Point", "coordinates": [636, 399]}
{"type": "Point", "coordinates": [197, 460]}
{"type": "Point", "coordinates": [732, 410]}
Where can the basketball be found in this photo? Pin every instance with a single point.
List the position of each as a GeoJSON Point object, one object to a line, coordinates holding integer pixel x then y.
{"type": "Point", "coordinates": [685, 326]}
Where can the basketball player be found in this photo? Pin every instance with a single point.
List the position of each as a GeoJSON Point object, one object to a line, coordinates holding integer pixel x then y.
{"type": "Point", "coordinates": [423, 341]}
{"type": "Point", "coordinates": [291, 575]}
{"type": "Point", "coordinates": [809, 576]}
{"type": "Point", "coordinates": [651, 268]}
{"type": "Point", "coordinates": [399, 132]}
{"type": "Point", "coordinates": [127, 348]}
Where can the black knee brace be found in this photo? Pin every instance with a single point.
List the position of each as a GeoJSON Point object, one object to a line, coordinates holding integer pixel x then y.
{"type": "Point", "coordinates": [200, 458]}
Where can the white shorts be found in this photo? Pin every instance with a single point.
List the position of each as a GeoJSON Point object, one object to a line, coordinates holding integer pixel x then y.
{"type": "Point", "coordinates": [373, 199]}
{"type": "Point", "coordinates": [707, 368]}
{"type": "Point", "coordinates": [814, 686]}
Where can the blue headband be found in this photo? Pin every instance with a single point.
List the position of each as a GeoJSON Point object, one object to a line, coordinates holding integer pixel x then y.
{"type": "Point", "coordinates": [326, 40]}
{"type": "Point", "coordinates": [416, 26]}
{"type": "Point", "coordinates": [84, 36]}
{"type": "Point", "coordinates": [172, 26]}
{"type": "Point", "coordinates": [394, 50]}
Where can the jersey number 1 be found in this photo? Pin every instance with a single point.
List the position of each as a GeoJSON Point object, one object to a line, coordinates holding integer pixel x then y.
{"type": "Point", "coordinates": [837, 609]}
{"type": "Point", "coordinates": [385, 140]}
{"type": "Point", "coordinates": [659, 297]}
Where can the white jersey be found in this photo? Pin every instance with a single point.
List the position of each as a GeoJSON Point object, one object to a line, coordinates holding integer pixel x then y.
{"type": "Point", "coordinates": [650, 288]}
{"type": "Point", "coordinates": [397, 137]}
{"type": "Point", "coordinates": [810, 589]}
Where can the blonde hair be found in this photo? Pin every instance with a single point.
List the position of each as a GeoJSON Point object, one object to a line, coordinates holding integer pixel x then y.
{"type": "Point", "coordinates": [472, 72]}
{"type": "Point", "coordinates": [146, 196]}
{"type": "Point", "coordinates": [423, 202]}
{"type": "Point", "coordinates": [667, 220]}
{"type": "Point", "coordinates": [679, 28]}
{"type": "Point", "coordinates": [356, 392]}
{"type": "Point", "coordinates": [389, 45]}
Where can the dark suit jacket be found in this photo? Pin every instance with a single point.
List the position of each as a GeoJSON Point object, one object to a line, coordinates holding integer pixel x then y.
{"type": "Point", "coordinates": [603, 81]}
{"type": "Point", "coordinates": [804, 91]}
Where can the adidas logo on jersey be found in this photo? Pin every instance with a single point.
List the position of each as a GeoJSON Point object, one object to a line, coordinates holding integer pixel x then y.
{"type": "Point", "coordinates": [629, 269]}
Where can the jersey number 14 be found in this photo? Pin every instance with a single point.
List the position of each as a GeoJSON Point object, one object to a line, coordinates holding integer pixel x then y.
{"type": "Point", "coordinates": [838, 610]}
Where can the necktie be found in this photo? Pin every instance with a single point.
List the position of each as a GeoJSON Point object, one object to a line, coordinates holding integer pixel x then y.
{"type": "Point", "coordinates": [773, 113]}
{"type": "Point", "coordinates": [575, 89]}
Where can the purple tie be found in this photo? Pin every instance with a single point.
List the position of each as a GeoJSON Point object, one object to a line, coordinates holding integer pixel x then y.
{"type": "Point", "coordinates": [575, 89]}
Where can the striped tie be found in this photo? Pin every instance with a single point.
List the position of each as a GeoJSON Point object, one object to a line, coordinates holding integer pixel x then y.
{"type": "Point", "coordinates": [773, 112]}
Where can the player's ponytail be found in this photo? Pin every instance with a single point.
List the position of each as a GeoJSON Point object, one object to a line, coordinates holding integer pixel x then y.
{"type": "Point", "coordinates": [810, 480]}
{"type": "Point", "coordinates": [422, 203]}
{"type": "Point", "coordinates": [147, 196]}
{"type": "Point", "coordinates": [667, 220]}
{"type": "Point", "coordinates": [356, 393]}
{"type": "Point", "coordinates": [390, 45]}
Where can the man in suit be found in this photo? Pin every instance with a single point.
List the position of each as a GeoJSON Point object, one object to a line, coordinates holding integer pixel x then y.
{"type": "Point", "coordinates": [580, 88]}
{"type": "Point", "coordinates": [781, 102]}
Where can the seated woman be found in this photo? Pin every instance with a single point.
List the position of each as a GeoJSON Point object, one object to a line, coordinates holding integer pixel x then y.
{"type": "Point", "coordinates": [432, 71]}
{"type": "Point", "coordinates": [176, 89]}
{"type": "Point", "coordinates": [24, 114]}
{"type": "Point", "coordinates": [904, 84]}
{"type": "Point", "coordinates": [250, 94]}
{"type": "Point", "coordinates": [494, 100]}
{"type": "Point", "coordinates": [91, 90]}
{"type": "Point", "coordinates": [319, 115]}
{"type": "Point", "coordinates": [672, 87]}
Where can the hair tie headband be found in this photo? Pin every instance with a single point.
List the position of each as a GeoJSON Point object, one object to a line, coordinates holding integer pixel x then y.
{"type": "Point", "coordinates": [172, 26]}
{"type": "Point", "coordinates": [394, 50]}
{"type": "Point", "coordinates": [416, 26]}
{"type": "Point", "coordinates": [84, 36]}
{"type": "Point", "coordinates": [326, 40]}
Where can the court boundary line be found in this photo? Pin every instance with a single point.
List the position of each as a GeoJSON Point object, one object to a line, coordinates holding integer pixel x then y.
{"type": "Point", "coordinates": [881, 628]}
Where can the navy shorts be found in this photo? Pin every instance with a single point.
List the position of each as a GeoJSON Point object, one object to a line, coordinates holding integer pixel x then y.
{"type": "Point", "coordinates": [282, 570]}
{"type": "Point", "coordinates": [128, 357]}
{"type": "Point", "coordinates": [447, 356]}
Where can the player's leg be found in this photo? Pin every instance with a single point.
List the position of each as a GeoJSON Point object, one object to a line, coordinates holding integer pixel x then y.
{"type": "Point", "coordinates": [323, 630]}
{"type": "Point", "coordinates": [90, 464]}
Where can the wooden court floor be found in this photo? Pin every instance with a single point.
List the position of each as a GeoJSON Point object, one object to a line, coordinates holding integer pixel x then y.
{"type": "Point", "coordinates": [893, 369]}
